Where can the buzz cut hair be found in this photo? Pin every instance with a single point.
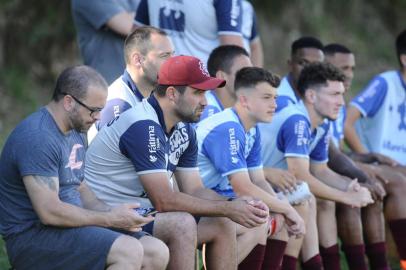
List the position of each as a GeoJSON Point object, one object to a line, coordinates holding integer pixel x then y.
{"type": "Point", "coordinates": [140, 39]}
{"type": "Point", "coordinates": [222, 58]}
{"type": "Point", "coordinates": [306, 42]}
{"type": "Point", "coordinates": [316, 75]}
{"type": "Point", "coordinates": [249, 77]}
{"type": "Point", "coordinates": [334, 48]}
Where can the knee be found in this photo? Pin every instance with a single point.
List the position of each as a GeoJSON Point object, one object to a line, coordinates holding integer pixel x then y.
{"type": "Point", "coordinates": [127, 250]}
{"type": "Point", "coordinates": [348, 213]}
{"type": "Point", "coordinates": [176, 225]}
{"type": "Point", "coordinates": [224, 226]}
{"type": "Point", "coordinates": [156, 253]}
{"type": "Point", "coordinates": [325, 206]}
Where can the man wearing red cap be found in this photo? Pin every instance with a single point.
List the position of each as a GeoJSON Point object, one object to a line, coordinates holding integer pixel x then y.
{"type": "Point", "coordinates": [133, 159]}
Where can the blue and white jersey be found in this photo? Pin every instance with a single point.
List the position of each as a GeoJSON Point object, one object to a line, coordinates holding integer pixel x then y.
{"type": "Point", "coordinates": [290, 135]}
{"type": "Point", "coordinates": [122, 95]}
{"type": "Point", "coordinates": [382, 104]}
{"type": "Point", "coordinates": [213, 105]}
{"type": "Point", "coordinates": [225, 148]}
{"type": "Point", "coordinates": [134, 144]}
{"type": "Point", "coordinates": [286, 94]}
{"type": "Point", "coordinates": [249, 24]}
{"type": "Point", "coordinates": [337, 127]}
{"type": "Point", "coordinates": [193, 26]}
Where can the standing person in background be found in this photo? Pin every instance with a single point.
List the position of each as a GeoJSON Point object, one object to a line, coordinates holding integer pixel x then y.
{"type": "Point", "coordinates": [252, 40]}
{"type": "Point", "coordinates": [195, 27]}
{"type": "Point", "coordinates": [49, 217]}
{"type": "Point", "coordinates": [102, 27]}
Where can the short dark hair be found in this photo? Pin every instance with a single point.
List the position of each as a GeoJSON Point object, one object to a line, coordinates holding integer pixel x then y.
{"type": "Point", "coordinates": [306, 42]}
{"type": "Point", "coordinates": [316, 75]}
{"type": "Point", "coordinates": [160, 89]}
{"type": "Point", "coordinates": [76, 81]}
{"type": "Point", "coordinates": [140, 39]}
{"type": "Point", "coordinates": [222, 57]}
{"type": "Point", "coordinates": [250, 76]}
{"type": "Point", "coordinates": [334, 48]}
{"type": "Point", "coordinates": [401, 44]}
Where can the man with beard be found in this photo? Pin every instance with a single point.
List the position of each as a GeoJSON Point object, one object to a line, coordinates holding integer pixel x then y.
{"type": "Point", "coordinates": [145, 50]}
{"type": "Point", "coordinates": [300, 145]}
{"type": "Point", "coordinates": [134, 157]}
{"type": "Point", "coordinates": [50, 219]}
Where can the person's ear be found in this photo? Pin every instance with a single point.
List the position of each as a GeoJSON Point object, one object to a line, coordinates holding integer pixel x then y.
{"type": "Point", "coordinates": [136, 59]}
{"type": "Point", "coordinates": [403, 60]}
{"type": "Point", "coordinates": [171, 93]}
{"type": "Point", "coordinates": [221, 74]}
{"type": "Point", "coordinates": [310, 95]}
{"type": "Point", "coordinates": [68, 103]}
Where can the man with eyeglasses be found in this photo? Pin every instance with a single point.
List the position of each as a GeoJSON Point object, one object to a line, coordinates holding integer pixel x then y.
{"type": "Point", "coordinates": [49, 217]}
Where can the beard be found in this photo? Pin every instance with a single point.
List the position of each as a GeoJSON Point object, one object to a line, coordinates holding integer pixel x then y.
{"type": "Point", "coordinates": [187, 115]}
{"type": "Point", "coordinates": [77, 122]}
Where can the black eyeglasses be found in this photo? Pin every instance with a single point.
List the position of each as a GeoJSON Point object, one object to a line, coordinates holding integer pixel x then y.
{"type": "Point", "coordinates": [93, 111]}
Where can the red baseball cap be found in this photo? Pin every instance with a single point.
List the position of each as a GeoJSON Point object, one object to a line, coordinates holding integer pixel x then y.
{"type": "Point", "coordinates": [188, 71]}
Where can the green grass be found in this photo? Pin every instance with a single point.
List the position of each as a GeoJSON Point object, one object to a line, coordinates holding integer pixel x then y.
{"type": "Point", "coordinates": [4, 264]}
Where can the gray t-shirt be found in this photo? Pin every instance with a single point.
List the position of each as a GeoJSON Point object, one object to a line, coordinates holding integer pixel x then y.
{"type": "Point", "coordinates": [100, 47]}
{"type": "Point", "coordinates": [37, 147]}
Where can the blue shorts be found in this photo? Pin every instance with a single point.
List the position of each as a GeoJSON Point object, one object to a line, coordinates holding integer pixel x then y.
{"type": "Point", "coordinates": [45, 247]}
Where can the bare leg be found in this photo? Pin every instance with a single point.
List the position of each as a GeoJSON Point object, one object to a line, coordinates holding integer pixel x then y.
{"type": "Point", "coordinates": [156, 253]}
{"type": "Point", "coordinates": [327, 224]}
{"type": "Point", "coordinates": [310, 246]}
{"type": "Point", "coordinates": [247, 239]}
{"type": "Point", "coordinates": [295, 244]}
{"type": "Point", "coordinates": [126, 253]}
{"type": "Point", "coordinates": [178, 230]}
{"type": "Point", "coordinates": [220, 237]}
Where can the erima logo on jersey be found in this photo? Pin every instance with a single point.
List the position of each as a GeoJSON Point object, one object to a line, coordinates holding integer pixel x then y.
{"type": "Point", "coordinates": [234, 160]}
{"type": "Point", "coordinates": [152, 158]}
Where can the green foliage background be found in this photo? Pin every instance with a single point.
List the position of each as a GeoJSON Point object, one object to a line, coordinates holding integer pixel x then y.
{"type": "Point", "coordinates": [37, 41]}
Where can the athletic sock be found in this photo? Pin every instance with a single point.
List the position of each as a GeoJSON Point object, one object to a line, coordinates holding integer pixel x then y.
{"type": "Point", "coordinates": [397, 228]}
{"type": "Point", "coordinates": [314, 263]}
{"type": "Point", "coordinates": [273, 254]}
{"type": "Point", "coordinates": [254, 259]}
{"type": "Point", "coordinates": [377, 256]}
{"type": "Point", "coordinates": [355, 255]}
{"type": "Point", "coordinates": [330, 257]}
{"type": "Point", "coordinates": [289, 263]}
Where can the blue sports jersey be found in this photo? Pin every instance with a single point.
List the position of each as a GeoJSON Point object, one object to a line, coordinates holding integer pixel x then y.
{"type": "Point", "coordinates": [225, 148]}
{"type": "Point", "coordinates": [38, 147]}
{"type": "Point", "coordinates": [133, 144]}
{"type": "Point", "coordinates": [290, 135]}
{"type": "Point", "coordinates": [193, 26]}
{"type": "Point", "coordinates": [122, 95]}
{"type": "Point", "coordinates": [382, 104]}
{"type": "Point", "coordinates": [213, 105]}
{"type": "Point", "coordinates": [286, 94]}
{"type": "Point", "coordinates": [337, 127]}
{"type": "Point", "coordinates": [249, 24]}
